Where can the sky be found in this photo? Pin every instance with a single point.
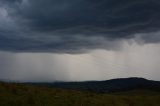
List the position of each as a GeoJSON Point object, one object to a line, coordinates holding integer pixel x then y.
{"type": "Point", "coordinates": [79, 40]}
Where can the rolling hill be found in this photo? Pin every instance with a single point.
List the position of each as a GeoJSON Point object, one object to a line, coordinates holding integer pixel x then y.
{"type": "Point", "coordinates": [114, 85]}
{"type": "Point", "coordinates": [130, 92]}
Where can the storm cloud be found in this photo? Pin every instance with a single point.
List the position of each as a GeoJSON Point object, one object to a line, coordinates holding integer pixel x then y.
{"type": "Point", "coordinates": [76, 26]}
{"type": "Point", "coordinates": [73, 40]}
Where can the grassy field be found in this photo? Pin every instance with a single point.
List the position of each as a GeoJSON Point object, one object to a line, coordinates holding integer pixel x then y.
{"type": "Point", "coordinates": [27, 95]}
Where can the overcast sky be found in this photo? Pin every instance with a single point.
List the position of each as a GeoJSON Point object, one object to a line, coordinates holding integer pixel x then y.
{"type": "Point", "coordinates": [75, 40]}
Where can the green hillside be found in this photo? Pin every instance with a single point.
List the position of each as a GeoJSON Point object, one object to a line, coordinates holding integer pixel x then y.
{"type": "Point", "coordinates": [28, 95]}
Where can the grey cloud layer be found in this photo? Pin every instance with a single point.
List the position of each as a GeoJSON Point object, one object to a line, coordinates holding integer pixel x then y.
{"type": "Point", "coordinates": [76, 25]}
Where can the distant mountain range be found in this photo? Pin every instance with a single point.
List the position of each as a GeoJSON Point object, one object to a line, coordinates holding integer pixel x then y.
{"type": "Point", "coordinates": [114, 85]}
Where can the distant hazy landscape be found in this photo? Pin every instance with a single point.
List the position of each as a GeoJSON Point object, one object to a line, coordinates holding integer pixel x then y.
{"type": "Point", "coordinates": [18, 94]}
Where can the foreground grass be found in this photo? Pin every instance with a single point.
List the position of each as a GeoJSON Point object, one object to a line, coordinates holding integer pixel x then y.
{"type": "Point", "coordinates": [25, 95]}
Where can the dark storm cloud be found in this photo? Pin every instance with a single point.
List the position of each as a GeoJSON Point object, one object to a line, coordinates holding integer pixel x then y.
{"type": "Point", "coordinates": [76, 25]}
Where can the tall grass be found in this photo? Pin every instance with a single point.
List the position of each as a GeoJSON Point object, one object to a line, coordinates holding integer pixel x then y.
{"type": "Point", "coordinates": [27, 95]}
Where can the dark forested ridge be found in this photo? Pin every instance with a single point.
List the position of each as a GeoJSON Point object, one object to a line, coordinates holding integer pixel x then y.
{"type": "Point", "coordinates": [114, 85]}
